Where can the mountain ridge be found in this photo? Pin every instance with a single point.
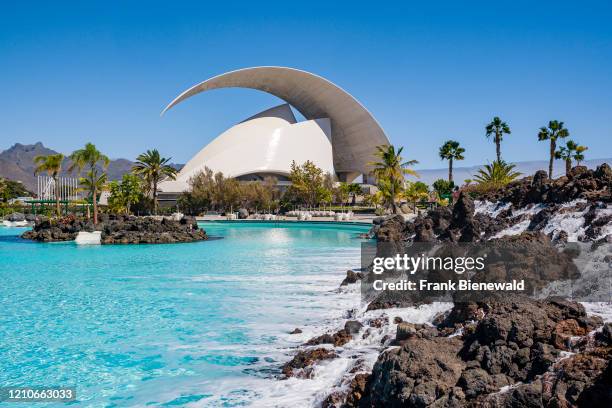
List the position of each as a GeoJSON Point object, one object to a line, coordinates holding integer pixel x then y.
{"type": "Point", "coordinates": [17, 163]}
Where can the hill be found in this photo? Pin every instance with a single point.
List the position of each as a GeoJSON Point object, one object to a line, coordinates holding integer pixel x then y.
{"type": "Point", "coordinates": [17, 163]}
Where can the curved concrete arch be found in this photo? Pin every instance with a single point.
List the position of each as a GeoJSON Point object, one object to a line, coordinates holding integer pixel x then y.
{"type": "Point", "coordinates": [355, 132]}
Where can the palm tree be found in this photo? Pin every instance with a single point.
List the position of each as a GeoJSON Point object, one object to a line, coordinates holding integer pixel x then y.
{"type": "Point", "coordinates": [496, 174]}
{"type": "Point", "coordinates": [390, 170]}
{"type": "Point", "coordinates": [554, 131]}
{"type": "Point", "coordinates": [343, 192]}
{"type": "Point", "coordinates": [52, 165]}
{"type": "Point", "coordinates": [566, 153]}
{"type": "Point", "coordinates": [95, 162]}
{"type": "Point", "coordinates": [94, 182]}
{"type": "Point", "coordinates": [450, 151]}
{"type": "Point", "coordinates": [571, 150]}
{"type": "Point", "coordinates": [416, 192]}
{"type": "Point", "coordinates": [153, 168]}
{"type": "Point", "coordinates": [390, 191]}
{"type": "Point", "coordinates": [354, 190]}
{"type": "Point", "coordinates": [579, 155]}
{"type": "Point", "coordinates": [497, 127]}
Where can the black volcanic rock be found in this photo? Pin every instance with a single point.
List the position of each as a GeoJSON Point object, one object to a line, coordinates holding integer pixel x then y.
{"type": "Point", "coordinates": [417, 374]}
{"type": "Point", "coordinates": [301, 364]}
{"type": "Point", "coordinates": [592, 185]}
{"type": "Point", "coordinates": [391, 229]}
{"type": "Point", "coordinates": [460, 223]}
{"type": "Point", "coordinates": [16, 216]}
{"type": "Point", "coordinates": [463, 226]}
{"type": "Point", "coordinates": [118, 230]}
{"type": "Point", "coordinates": [507, 341]}
{"type": "Point", "coordinates": [351, 277]}
{"type": "Point", "coordinates": [507, 350]}
{"type": "Point", "coordinates": [424, 230]}
{"type": "Point", "coordinates": [441, 218]}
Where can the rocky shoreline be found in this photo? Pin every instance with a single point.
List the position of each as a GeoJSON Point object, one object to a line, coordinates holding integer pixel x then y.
{"type": "Point", "coordinates": [118, 230]}
{"type": "Point", "coordinates": [535, 351]}
{"type": "Point", "coordinates": [500, 351]}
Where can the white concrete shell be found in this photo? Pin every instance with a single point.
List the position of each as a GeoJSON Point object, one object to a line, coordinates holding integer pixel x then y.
{"type": "Point", "coordinates": [263, 144]}
{"type": "Point", "coordinates": [355, 132]}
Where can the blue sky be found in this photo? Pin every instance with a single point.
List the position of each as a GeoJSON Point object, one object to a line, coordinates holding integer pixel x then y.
{"type": "Point", "coordinates": [72, 72]}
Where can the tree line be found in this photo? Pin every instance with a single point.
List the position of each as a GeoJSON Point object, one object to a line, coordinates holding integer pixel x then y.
{"type": "Point", "coordinates": [391, 168]}
{"type": "Point", "coordinates": [496, 129]}
{"type": "Point", "coordinates": [309, 185]}
{"type": "Point", "coordinates": [90, 165]}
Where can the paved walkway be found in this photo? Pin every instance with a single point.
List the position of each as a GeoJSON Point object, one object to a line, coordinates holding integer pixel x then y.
{"type": "Point", "coordinates": [360, 218]}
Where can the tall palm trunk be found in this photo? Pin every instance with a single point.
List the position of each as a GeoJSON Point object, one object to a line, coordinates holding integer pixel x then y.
{"type": "Point", "coordinates": [57, 197]}
{"type": "Point", "coordinates": [568, 166]}
{"type": "Point", "coordinates": [154, 197]}
{"type": "Point", "coordinates": [553, 147]}
{"type": "Point", "coordinates": [498, 146]}
{"type": "Point", "coordinates": [95, 205]}
{"type": "Point", "coordinates": [393, 206]}
{"type": "Point", "coordinates": [450, 170]}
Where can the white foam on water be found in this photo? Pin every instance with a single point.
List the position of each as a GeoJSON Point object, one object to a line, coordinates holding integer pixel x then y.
{"type": "Point", "coordinates": [528, 212]}
{"type": "Point", "coordinates": [571, 222]}
{"type": "Point", "coordinates": [507, 388]}
{"type": "Point", "coordinates": [489, 208]}
{"type": "Point", "coordinates": [516, 229]}
{"type": "Point", "coordinates": [331, 375]}
{"type": "Point", "coordinates": [600, 213]}
{"type": "Point", "coordinates": [601, 309]}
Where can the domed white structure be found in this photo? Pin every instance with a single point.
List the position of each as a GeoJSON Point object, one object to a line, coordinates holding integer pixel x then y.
{"type": "Point", "coordinates": [263, 145]}
{"type": "Point", "coordinates": [339, 134]}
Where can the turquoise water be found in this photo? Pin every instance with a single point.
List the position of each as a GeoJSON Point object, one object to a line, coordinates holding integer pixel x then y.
{"type": "Point", "coordinates": [202, 324]}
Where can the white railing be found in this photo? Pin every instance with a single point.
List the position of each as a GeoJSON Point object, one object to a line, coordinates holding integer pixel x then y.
{"type": "Point", "coordinates": [67, 188]}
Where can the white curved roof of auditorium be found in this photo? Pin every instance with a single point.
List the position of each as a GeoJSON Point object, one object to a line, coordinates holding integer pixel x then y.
{"type": "Point", "coordinates": [354, 131]}
{"type": "Point", "coordinates": [266, 143]}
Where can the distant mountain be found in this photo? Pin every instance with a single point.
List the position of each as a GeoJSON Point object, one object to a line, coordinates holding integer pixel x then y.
{"type": "Point", "coordinates": [17, 163]}
{"type": "Point", "coordinates": [527, 168]}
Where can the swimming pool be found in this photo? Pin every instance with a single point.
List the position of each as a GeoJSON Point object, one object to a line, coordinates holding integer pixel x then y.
{"type": "Point", "coordinates": [197, 324]}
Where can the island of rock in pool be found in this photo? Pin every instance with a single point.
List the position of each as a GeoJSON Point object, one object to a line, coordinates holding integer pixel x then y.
{"type": "Point", "coordinates": [118, 230]}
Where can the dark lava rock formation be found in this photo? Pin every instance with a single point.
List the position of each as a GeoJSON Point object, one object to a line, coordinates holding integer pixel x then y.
{"type": "Point", "coordinates": [506, 351]}
{"type": "Point", "coordinates": [118, 230]}
{"type": "Point", "coordinates": [460, 223]}
{"type": "Point", "coordinates": [592, 185]}
{"type": "Point", "coordinates": [340, 338]}
{"type": "Point", "coordinates": [302, 364]}
{"type": "Point", "coordinates": [351, 277]}
{"type": "Point", "coordinates": [503, 349]}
